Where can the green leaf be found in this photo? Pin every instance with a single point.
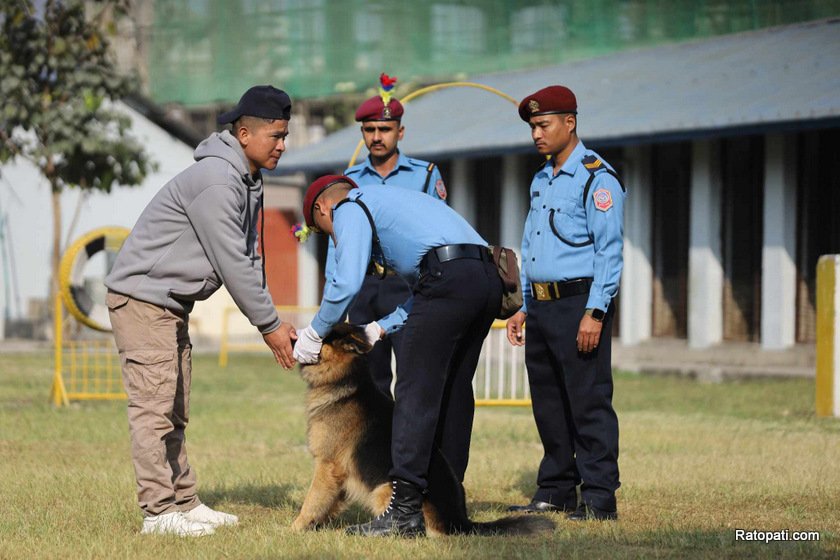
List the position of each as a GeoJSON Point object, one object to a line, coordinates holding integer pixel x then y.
{"type": "Point", "coordinates": [92, 102]}
{"type": "Point", "coordinates": [59, 46]}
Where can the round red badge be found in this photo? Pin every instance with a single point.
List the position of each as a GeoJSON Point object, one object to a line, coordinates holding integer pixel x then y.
{"type": "Point", "coordinates": [603, 199]}
{"type": "Point", "coordinates": [441, 189]}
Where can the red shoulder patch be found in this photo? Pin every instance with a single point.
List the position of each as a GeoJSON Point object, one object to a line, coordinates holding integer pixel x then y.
{"type": "Point", "coordinates": [440, 188]}
{"type": "Point", "coordinates": [603, 199]}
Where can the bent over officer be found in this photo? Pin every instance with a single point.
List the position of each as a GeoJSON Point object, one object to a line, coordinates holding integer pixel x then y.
{"type": "Point", "coordinates": [457, 293]}
{"type": "Point", "coordinates": [381, 293]}
{"type": "Point", "coordinates": [571, 265]}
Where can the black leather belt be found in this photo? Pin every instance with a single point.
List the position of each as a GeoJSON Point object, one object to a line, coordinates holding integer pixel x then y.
{"type": "Point", "coordinates": [548, 291]}
{"type": "Point", "coordinates": [446, 253]}
{"type": "Point", "coordinates": [461, 251]}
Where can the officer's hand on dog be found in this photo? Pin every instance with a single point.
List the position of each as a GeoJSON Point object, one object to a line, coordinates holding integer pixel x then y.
{"type": "Point", "coordinates": [280, 342]}
{"type": "Point", "coordinates": [589, 333]}
{"type": "Point", "coordinates": [515, 329]}
{"type": "Point", "coordinates": [373, 332]}
{"type": "Point", "coordinates": [308, 346]}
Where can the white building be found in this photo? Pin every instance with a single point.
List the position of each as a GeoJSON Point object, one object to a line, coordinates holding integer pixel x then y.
{"type": "Point", "coordinates": [25, 206]}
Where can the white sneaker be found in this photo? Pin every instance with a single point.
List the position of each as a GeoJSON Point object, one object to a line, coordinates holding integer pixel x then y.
{"type": "Point", "coordinates": [203, 514]}
{"type": "Point", "coordinates": [175, 523]}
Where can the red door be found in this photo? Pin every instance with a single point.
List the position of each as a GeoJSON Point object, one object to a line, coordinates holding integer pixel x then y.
{"type": "Point", "coordinates": [281, 256]}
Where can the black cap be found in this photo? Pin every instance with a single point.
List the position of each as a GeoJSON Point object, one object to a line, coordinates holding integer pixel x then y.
{"type": "Point", "coordinates": [265, 102]}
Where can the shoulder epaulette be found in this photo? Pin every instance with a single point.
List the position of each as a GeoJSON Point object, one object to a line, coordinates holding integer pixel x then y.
{"type": "Point", "coordinates": [429, 168]}
{"type": "Point", "coordinates": [593, 163]}
{"type": "Point", "coordinates": [417, 162]}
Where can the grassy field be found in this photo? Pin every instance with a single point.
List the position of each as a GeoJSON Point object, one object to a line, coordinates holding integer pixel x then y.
{"type": "Point", "coordinates": [697, 462]}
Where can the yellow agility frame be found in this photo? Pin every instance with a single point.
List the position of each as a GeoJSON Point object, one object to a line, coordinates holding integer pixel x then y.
{"type": "Point", "coordinates": [92, 366]}
{"type": "Point", "coordinates": [112, 238]}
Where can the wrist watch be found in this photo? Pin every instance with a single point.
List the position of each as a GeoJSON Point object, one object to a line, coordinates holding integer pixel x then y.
{"type": "Point", "coordinates": [595, 313]}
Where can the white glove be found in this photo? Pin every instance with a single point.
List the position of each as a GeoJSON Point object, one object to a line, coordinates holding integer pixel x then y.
{"type": "Point", "coordinates": [308, 346]}
{"type": "Point", "coordinates": [373, 332]}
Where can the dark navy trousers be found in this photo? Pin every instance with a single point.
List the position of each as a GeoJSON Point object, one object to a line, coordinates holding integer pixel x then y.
{"type": "Point", "coordinates": [377, 298]}
{"type": "Point", "coordinates": [572, 403]}
{"type": "Point", "coordinates": [454, 306]}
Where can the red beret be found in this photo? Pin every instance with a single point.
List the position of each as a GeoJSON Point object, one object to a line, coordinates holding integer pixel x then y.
{"type": "Point", "coordinates": [314, 190]}
{"type": "Point", "coordinates": [374, 110]}
{"type": "Point", "coordinates": [548, 101]}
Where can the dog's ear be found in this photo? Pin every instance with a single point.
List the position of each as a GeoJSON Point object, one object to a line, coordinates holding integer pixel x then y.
{"type": "Point", "coordinates": [348, 338]}
{"type": "Point", "coordinates": [355, 342]}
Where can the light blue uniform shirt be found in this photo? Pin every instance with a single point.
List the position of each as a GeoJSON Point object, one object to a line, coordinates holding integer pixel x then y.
{"type": "Point", "coordinates": [595, 231]}
{"type": "Point", "coordinates": [409, 225]}
{"type": "Point", "coordinates": [408, 173]}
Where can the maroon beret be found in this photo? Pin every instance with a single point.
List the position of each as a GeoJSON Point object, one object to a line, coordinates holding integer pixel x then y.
{"type": "Point", "coordinates": [314, 190]}
{"type": "Point", "coordinates": [374, 110]}
{"type": "Point", "coordinates": [548, 101]}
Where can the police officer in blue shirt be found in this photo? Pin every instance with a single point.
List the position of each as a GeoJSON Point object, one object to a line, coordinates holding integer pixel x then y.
{"type": "Point", "coordinates": [455, 297]}
{"type": "Point", "coordinates": [571, 265]}
{"type": "Point", "coordinates": [380, 294]}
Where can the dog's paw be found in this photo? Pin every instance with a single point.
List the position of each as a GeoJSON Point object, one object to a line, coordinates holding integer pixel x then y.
{"type": "Point", "coordinates": [300, 525]}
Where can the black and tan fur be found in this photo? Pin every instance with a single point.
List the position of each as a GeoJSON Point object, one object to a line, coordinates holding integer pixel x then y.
{"type": "Point", "coordinates": [349, 433]}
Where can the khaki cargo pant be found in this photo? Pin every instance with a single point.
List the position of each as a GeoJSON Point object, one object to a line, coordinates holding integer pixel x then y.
{"type": "Point", "coordinates": [155, 354]}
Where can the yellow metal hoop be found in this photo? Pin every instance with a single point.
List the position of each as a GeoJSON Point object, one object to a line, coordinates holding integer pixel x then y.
{"type": "Point", "coordinates": [435, 87]}
{"type": "Point", "coordinates": [108, 238]}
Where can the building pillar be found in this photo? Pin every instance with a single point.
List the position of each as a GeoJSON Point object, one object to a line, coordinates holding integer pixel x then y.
{"type": "Point", "coordinates": [705, 269]}
{"type": "Point", "coordinates": [513, 203]}
{"type": "Point", "coordinates": [462, 198]}
{"type": "Point", "coordinates": [637, 277]}
{"type": "Point", "coordinates": [778, 254]}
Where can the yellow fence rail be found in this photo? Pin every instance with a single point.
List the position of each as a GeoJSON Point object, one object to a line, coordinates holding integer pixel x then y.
{"type": "Point", "coordinates": [500, 378]}
{"type": "Point", "coordinates": [83, 369]}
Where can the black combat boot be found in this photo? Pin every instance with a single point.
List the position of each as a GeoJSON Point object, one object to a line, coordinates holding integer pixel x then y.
{"type": "Point", "coordinates": [403, 517]}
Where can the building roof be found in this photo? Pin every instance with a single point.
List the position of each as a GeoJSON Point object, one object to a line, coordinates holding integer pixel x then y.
{"type": "Point", "coordinates": [772, 79]}
{"type": "Point", "coordinates": [152, 111]}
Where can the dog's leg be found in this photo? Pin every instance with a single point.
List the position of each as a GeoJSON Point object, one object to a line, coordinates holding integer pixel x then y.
{"type": "Point", "coordinates": [326, 489]}
{"type": "Point", "coordinates": [339, 505]}
{"type": "Point", "coordinates": [434, 524]}
{"type": "Point", "coordinates": [380, 498]}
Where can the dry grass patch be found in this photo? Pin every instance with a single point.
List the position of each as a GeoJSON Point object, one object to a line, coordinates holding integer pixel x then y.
{"type": "Point", "coordinates": [697, 461]}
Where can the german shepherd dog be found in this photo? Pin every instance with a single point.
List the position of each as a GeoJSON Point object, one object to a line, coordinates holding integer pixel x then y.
{"type": "Point", "coordinates": [349, 435]}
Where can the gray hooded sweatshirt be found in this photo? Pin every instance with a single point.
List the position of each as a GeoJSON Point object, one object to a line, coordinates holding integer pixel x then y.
{"type": "Point", "coordinates": [198, 233]}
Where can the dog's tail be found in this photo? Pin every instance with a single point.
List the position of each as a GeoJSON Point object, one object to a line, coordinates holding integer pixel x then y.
{"type": "Point", "coordinates": [449, 502]}
{"type": "Point", "coordinates": [514, 525]}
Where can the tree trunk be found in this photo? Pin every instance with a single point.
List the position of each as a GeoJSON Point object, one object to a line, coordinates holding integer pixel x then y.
{"type": "Point", "coordinates": [56, 249]}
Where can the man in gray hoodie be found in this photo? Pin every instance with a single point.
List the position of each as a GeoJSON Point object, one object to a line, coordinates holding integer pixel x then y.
{"type": "Point", "coordinates": [197, 233]}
